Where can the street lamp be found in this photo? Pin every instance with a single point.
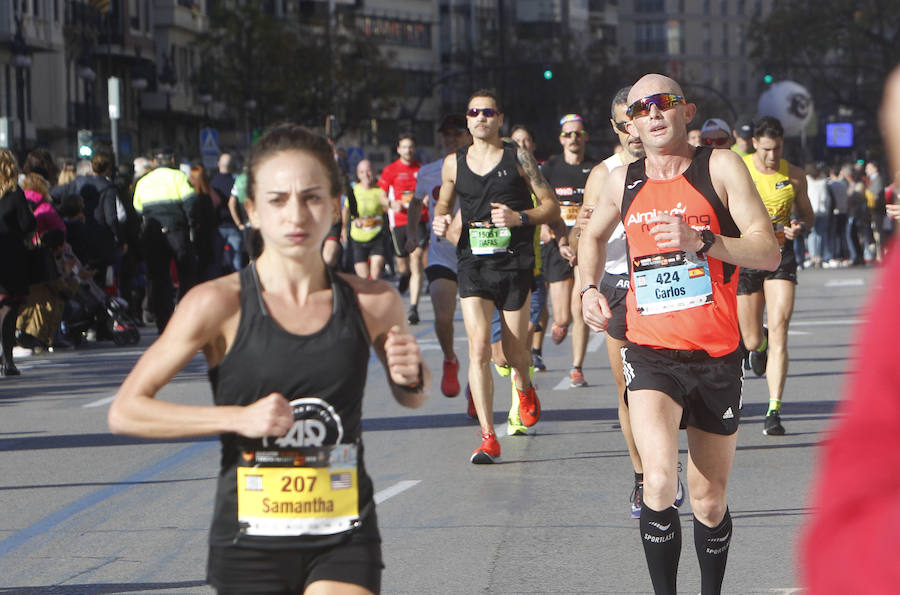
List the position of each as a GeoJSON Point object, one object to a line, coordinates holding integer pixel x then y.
{"type": "Point", "coordinates": [21, 61]}
{"type": "Point", "coordinates": [139, 83]}
{"type": "Point", "coordinates": [87, 74]}
{"type": "Point", "coordinates": [205, 98]}
{"type": "Point", "coordinates": [167, 80]}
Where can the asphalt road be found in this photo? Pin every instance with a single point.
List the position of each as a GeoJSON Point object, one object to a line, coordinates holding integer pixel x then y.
{"type": "Point", "coordinates": [86, 512]}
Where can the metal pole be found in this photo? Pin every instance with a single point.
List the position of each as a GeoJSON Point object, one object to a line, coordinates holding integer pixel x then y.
{"type": "Point", "coordinates": [20, 92]}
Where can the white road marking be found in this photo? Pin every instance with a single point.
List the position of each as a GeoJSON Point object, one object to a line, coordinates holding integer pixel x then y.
{"type": "Point", "coordinates": [844, 283]}
{"type": "Point", "coordinates": [100, 402]}
{"type": "Point", "coordinates": [845, 321]}
{"type": "Point", "coordinates": [395, 489]}
{"type": "Point", "coordinates": [563, 384]}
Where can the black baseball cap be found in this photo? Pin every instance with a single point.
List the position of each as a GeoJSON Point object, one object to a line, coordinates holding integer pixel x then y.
{"type": "Point", "coordinates": [744, 128]}
{"type": "Point", "coordinates": [452, 122]}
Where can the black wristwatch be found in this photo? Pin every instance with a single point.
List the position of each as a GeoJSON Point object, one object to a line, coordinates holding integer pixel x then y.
{"type": "Point", "coordinates": [523, 217]}
{"type": "Point", "coordinates": [708, 238]}
{"type": "Point", "coordinates": [587, 288]}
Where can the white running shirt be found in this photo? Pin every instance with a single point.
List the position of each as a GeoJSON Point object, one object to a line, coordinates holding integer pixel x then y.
{"type": "Point", "coordinates": [616, 246]}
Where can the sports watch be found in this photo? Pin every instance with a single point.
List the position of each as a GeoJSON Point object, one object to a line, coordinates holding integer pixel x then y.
{"type": "Point", "coordinates": [708, 238]}
{"type": "Point", "coordinates": [587, 288]}
{"type": "Point", "coordinates": [523, 217]}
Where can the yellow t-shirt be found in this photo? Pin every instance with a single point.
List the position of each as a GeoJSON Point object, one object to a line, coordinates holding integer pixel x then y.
{"type": "Point", "coordinates": [367, 225]}
{"type": "Point", "coordinates": [776, 191]}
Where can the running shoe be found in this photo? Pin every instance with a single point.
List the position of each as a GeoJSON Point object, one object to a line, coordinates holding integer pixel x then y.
{"type": "Point", "coordinates": [9, 370]}
{"type": "Point", "coordinates": [537, 362]}
{"type": "Point", "coordinates": [488, 452]}
{"type": "Point", "coordinates": [759, 359]}
{"type": "Point", "coordinates": [514, 425]}
{"type": "Point", "coordinates": [470, 405]}
{"type": "Point", "coordinates": [772, 425]}
{"type": "Point", "coordinates": [558, 333]}
{"type": "Point", "coordinates": [637, 499]}
{"type": "Point", "coordinates": [502, 370]}
{"type": "Point", "coordinates": [529, 406]}
{"type": "Point", "coordinates": [413, 315]}
{"type": "Point", "coordinates": [449, 379]}
{"type": "Point", "coordinates": [576, 378]}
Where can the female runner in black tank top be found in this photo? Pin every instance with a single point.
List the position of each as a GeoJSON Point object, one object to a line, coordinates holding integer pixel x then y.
{"type": "Point", "coordinates": [287, 346]}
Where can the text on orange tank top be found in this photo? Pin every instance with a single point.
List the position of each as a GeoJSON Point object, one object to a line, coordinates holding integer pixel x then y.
{"type": "Point", "coordinates": [678, 300]}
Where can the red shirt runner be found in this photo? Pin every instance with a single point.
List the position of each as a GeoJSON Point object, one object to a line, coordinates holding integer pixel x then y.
{"type": "Point", "coordinates": [398, 180]}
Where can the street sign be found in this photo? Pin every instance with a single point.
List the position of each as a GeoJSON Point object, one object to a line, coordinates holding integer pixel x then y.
{"type": "Point", "coordinates": [209, 147]}
{"type": "Point", "coordinates": [839, 134]}
{"type": "Point", "coordinates": [113, 93]}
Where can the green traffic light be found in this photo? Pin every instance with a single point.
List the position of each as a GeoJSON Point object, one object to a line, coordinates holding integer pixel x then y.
{"type": "Point", "coordinates": [768, 79]}
{"type": "Point", "coordinates": [85, 152]}
{"type": "Point", "coordinates": [548, 74]}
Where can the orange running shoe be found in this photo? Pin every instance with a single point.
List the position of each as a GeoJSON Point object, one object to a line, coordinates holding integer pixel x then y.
{"type": "Point", "coordinates": [488, 452]}
{"type": "Point", "coordinates": [529, 406]}
{"type": "Point", "coordinates": [449, 380]}
{"type": "Point", "coordinates": [558, 333]}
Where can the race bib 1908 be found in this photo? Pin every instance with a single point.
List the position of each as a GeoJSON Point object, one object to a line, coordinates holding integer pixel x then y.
{"type": "Point", "coordinates": [568, 210]}
{"type": "Point", "coordinates": [670, 282]}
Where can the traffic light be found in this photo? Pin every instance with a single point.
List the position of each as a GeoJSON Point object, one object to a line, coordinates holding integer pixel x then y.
{"type": "Point", "coordinates": [548, 74]}
{"type": "Point", "coordinates": [85, 144]}
{"type": "Point", "coordinates": [768, 78]}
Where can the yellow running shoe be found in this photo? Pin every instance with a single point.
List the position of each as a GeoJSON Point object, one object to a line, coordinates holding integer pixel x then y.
{"type": "Point", "coordinates": [514, 425]}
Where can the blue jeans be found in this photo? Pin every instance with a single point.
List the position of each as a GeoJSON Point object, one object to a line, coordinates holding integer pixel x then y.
{"type": "Point", "coordinates": [233, 253]}
{"type": "Point", "coordinates": [819, 240]}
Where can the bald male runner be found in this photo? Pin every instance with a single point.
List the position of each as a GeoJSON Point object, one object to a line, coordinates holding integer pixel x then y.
{"type": "Point", "coordinates": [691, 215]}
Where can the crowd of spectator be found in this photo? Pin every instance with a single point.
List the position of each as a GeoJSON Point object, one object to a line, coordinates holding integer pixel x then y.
{"type": "Point", "coordinates": [83, 240]}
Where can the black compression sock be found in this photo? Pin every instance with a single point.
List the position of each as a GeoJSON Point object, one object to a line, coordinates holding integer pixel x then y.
{"type": "Point", "coordinates": [638, 477]}
{"type": "Point", "coordinates": [661, 536]}
{"type": "Point", "coordinates": [536, 351]}
{"type": "Point", "coordinates": [712, 552]}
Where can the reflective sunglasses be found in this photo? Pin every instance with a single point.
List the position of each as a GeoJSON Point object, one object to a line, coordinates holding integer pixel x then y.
{"type": "Point", "coordinates": [717, 142]}
{"type": "Point", "coordinates": [662, 101]}
{"type": "Point", "coordinates": [620, 126]}
{"type": "Point", "coordinates": [488, 112]}
{"type": "Point", "coordinates": [572, 134]}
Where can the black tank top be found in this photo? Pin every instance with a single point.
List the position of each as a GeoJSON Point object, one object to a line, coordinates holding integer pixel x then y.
{"type": "Point", "coordinates": [503, 184]}
{"type": "Point", "coordinates": [326, 369]}
{"type": "Point", "coordinates": [566, 179]}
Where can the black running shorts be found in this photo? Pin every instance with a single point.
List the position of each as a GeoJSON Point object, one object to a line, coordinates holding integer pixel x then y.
{"type": "Point", "coordinates": [556, 268]}
{"type": "Point", "coordinates": [751, 280]}
{"type": "Point", "coordinates": [437, 271]}
{"type": "Point", "coordinates": [509, 290]}
{"type": "Point", "coordinates": [614, 288]}
{"type": "Point", "coordinates": [707, 388]}
{"type": "Point", "coordinates": [399, 236]}
{"type": "Point", "coordinates": [363, 250]}
{"type": "Point", "coordinates": [238, 570]}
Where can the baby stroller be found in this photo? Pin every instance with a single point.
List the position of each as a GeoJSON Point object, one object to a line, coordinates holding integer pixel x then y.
{"type": "Point", "coordinates": [90, 309]}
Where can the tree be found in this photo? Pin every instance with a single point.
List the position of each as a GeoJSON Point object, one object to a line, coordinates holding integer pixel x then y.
{"type": "Point", "coordinates": [841, 50]}
{"type": "Point", "coordinates": [264, 69]}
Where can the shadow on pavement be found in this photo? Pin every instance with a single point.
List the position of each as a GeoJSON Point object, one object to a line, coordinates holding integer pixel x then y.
{"type": "Point", "coordinates": [88, 440]}
{"type": "Point", "coordinates": [101, 589]}
{"type": "Point", "coordinates": [453, 420]}
{"type": "Point", "coordinates": [102, 484]}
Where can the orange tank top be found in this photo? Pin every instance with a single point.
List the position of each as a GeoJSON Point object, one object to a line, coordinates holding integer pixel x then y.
{"type": "Point", "coordinates": [679, 300]}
